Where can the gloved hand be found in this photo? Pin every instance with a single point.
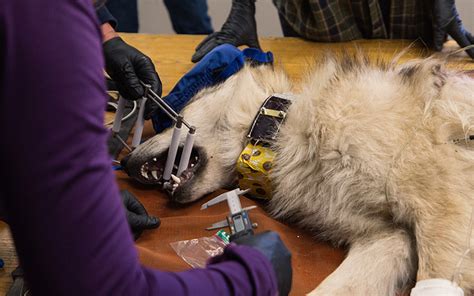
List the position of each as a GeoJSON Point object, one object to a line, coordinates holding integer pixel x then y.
{"type": "Point", "coordinates": [239, 29]}
{"type": "Point", "coordinates": [127, 66]}
{"type": "Point", "coordinates": [137, 216]}
{"type": "Point", "coordinates": [271, 245]}
{"type": "Point", "coordinates": [446, 20]}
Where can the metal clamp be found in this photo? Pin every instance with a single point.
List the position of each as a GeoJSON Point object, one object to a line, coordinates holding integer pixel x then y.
{"type": "Point", "coordinates": [175, 140]}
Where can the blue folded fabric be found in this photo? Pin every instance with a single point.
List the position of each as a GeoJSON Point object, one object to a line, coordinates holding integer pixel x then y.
{"type": "Point", "coordinates": [218, 65]}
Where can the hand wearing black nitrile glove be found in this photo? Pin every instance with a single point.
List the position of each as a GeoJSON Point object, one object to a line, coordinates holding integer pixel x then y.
{"type": "Point", "coordinates": [271, 245]}
{"type": "Point", "coordinates": [127, 66]}
{"type": "Point", "coordinates": [446, 20]}
{"type": "Point", "coordinates": [137, 216]}
{"type": "Point", "coordinates": [239, 29]}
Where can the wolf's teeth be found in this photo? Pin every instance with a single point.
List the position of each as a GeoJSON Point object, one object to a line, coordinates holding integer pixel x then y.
{"type": "Point", "coordinates": [176, 179]}
{"type": "Point", "coordinates": [154, 174]}
{"type": "Point", "coordinates": [154, 159]}
{"type": "Point", "coordinates": [192, 165]}
{"type": "Point", "coordinates": [175, 185]}
{"type": "Point", "coordinates": [167, 185]}
{"type": "Point", "coordinates": [144, 175]}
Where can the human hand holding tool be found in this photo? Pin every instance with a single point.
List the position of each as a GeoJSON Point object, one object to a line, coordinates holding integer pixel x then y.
{"type": "Point", "coordinates": [446, 20]}
{"type": "Point", "coordinates": [127, 66]}
{"type": "Point", "coordinates": [137, 216]}
{"type": "Point", "coordinates": [239, 29]}
{"type": "Point", "coordinates": [268, 243]}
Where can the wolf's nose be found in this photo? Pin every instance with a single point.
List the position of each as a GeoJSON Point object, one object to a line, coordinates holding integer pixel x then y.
{"type": "Point", "coordinates": [124, 162]}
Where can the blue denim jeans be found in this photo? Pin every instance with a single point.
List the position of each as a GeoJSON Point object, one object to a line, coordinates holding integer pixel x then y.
{"type": "Point", "coordinates": [187, 16]}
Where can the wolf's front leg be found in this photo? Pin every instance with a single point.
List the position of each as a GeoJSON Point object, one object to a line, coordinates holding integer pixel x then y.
{"type": "Point", "coordinates": [381, 264]}
{"type": "Point", "coordinates": [442, 240]}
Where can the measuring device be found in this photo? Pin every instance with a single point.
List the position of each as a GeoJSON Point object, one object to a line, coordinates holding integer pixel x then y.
{"type": "Point", "coordinates": [238, 219]}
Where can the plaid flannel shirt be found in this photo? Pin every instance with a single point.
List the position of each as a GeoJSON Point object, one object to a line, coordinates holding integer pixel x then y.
{"type": "Point", "coordinates": [344, 20]}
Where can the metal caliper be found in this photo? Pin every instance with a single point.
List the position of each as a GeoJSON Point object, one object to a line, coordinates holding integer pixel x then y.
{"type": "Point", "coordinates": [238, 219]}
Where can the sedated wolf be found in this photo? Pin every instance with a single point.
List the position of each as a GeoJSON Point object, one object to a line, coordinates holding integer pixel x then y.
{"type": "Point", "coordinates": [373, 156]}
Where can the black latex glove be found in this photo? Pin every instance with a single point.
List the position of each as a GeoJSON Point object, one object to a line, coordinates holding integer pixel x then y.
{"type": "Point", "coordinates": [239, 29]}
{"type": "Point", "coordinates": [271, 245]}
{"type": "Point", "coordinates": [126, 65]}
{"type": "Point", "coordinates": [446, 20]}
{"type": "Point", "coordinates": [137, 216]}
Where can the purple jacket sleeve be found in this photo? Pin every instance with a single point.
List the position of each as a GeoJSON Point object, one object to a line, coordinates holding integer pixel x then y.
{"type": "Point", "coordinates": [57, 186]}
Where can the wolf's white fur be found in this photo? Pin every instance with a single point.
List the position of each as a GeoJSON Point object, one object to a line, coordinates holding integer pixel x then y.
{"type": "Point", "coordinates": [364, 160]}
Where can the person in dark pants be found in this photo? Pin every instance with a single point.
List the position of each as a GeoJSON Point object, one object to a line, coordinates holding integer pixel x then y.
{"type": "Point", "coordinates": [187, 16]}
{"type": "Point", "coordinates": [341, 20]}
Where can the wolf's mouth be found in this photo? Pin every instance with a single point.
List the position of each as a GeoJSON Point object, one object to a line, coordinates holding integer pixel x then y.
{"type": "Point", "coordinates": [150, 172]}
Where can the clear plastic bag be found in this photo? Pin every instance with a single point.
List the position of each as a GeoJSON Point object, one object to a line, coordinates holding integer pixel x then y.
{"type": "Point", "coordinates": [197, 251]}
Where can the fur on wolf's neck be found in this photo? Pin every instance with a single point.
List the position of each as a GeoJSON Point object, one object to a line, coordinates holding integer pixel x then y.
{"type": "Point", "coordinates": [233, 106]}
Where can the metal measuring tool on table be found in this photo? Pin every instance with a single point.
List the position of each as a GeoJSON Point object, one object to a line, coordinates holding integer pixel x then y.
{"type": "Point", "coordinates": [238, 219]}
{"type": "Point", "coordinates": [178, 123]}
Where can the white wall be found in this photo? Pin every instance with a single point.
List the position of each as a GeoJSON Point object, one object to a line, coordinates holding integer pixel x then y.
{"type": "Point", "coordinates": [154, 17]}
{"type": "Point", "coordinates": [466, 10]}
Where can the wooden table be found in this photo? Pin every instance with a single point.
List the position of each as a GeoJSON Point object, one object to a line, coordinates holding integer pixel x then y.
{"type": "Point", "coordinates": [172, 57]}
{"type": "Point", "coordinates": [172, 54]}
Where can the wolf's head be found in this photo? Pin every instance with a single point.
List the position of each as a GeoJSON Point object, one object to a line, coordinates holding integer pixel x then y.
{"type": "Point", "coordinates": [222, 116]}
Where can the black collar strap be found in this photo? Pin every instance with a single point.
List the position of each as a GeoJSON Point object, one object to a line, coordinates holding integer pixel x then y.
{"type": "Point", "coordinates": [267, 123]}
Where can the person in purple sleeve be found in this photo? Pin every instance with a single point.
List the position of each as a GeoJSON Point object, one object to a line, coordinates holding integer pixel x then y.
{"type": "Point", "coordinates": [57, 186]}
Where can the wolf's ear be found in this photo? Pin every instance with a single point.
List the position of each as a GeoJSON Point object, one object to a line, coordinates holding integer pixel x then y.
{"type": "Point", "coordinates": [427, 77]}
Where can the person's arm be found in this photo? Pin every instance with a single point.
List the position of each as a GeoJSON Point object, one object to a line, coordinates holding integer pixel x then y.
{"type": "Point", "coordinates": [446, 20]}
{"type": "Point", "coordinates": [108, 32]}
{"type": "Point", "coordinates": [60, 193]}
